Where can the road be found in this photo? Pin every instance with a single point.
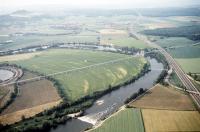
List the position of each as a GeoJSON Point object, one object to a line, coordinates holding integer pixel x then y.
{"type": "Point", "coordinates": [177, 69]}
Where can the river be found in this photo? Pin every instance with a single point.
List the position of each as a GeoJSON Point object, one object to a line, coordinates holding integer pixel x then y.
{"type": "Point", "coordinates": [110, 102]}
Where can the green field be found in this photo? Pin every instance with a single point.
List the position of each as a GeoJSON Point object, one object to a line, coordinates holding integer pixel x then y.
{"type": "Point", "coordinates": [190, 65]}
{"type": "Point", "coordinates": [26, 41]}
{"type": "Point", "coordinates": [128, 120]}
{"type": "Point", "coordinates": [79, 83]}
{"type": "Point", "coordinates": [127, 42]}
{"type": "Point", "coordinates": [173, 41]}
{"type": "Point", "coordinates": [185, 51]}
{"type": "Point", "coordinates": [175, 80]}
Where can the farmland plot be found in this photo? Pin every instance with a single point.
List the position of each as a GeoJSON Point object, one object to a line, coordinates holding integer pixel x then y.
{"type": "Point", "coordinates": [166, 120]}
{"type": "Point", "coordinates": [86, 81]}
{"type": "Point", "coordinates": [161, 97]}
{"type": "Point", "coordinates": [33, 98]}
{"type": "Point", "coordinates": [128, 120]}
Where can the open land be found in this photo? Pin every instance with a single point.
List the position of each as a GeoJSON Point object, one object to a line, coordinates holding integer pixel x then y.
{"type": "Point", "coordinates": [161, 97]}
{"type": "Point", "coordinates": [32, 98]}
{"type": "Point", "coordinates": [169, 120]}
{"type": "Point", "coordinates": [127, 120]}
{"type": "Point", "coordinates": [84, 82]}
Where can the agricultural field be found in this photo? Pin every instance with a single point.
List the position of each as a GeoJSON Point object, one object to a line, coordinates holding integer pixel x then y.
{"type": "Point", "coordinates": [120, 38]}
{"type": "Point", "coordinates": [86, 81]}
{"type": "Point", "coordinates": [18, 57]}
{"type": "Point", "coordinates": [190, 65]}
{"type": "Point", "coordinates": [33, 97]}
{"type": "Point", "coordinates": [37, 40]}
{"type": "Point", "coordinates": [46, 31]}
{"type": "Point", "coordinates": [189, 52]}
{"type": "Point", "coordinates": [160, 97]}
{"type": "Point", "coordinates": [185, 51]}
{"type": "Point", "coordinates": [169, 120]}
{"type": "Point", "coordinates": [16, 116]}
{"type": "Point", "coordinates": [127, 42]}
{"type": "Point", "coordinates": [181, 41]}
{"type": "Point", "coordinates": [173, 41]}
{"type": "Point", "coordinates": [33, 94]}
{"type": "Point", "coordinates": [128, 120]}
{"type": "Point", "coordinates": [5, 93]}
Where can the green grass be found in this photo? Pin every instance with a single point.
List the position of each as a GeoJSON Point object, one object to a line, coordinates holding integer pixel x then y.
{"type": "Point", "coordinates": [25, 41]}
{"type": "Point", "coordinates": [190, 65]}
{"type": "Point", "coordinates": [129, 42]}
{"type": "Point", "coordinates": [187, 56]}
{"type": "Point", "coordinates": [173, 41]}
{"type": "Point", "coordinates": [175, 80]}
{"type": "Point", "coordinates": [84, 82]}
{"type": "Point", "coordinates": [185, 52]}
{"type": "Point", "coordinates": [182, 47]}
{"type": "Point", "coordinates": [128, 120]}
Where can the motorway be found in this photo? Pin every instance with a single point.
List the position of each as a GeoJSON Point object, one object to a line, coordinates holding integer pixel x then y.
{"type": "Point", "coordinates": [177, 69]}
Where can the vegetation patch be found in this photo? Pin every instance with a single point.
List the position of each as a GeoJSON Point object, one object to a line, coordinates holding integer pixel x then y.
{"type": "Point", "coordinates": [30, 95]}
{"type": "Point", "coordinates": [167, 120]}
{"type": "Point", "coordinates": [127, 120]}
{"type": "Point", "coordinates": [174, 79]}
{"type": "Point", "coordinates": [167, 42]}
{"type": "Point", "coordinates": [190, 32]}
{"type": "Point", "coordinates": [19, 115]}
{"type": "Point", "coordinates": [112, 31]}
{"type": "Point", "coordinates": [190, 65]}
{"type": "Point", "coordinates": [18, 57]}
{"type": "Point", "coordinates": [127, 42]}
{"type": "Point", "coordinates": [188, 52]}
{"type": "Point", "coordinates": [72, 84]}
{"type": "Point", "coordinates": [161, 97]}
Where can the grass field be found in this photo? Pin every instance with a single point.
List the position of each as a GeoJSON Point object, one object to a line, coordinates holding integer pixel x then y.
{"type": "Point", "coordinates": [161, 97]}
{"type": "Point", "coordinates": [126, 42]}
{"type": "Point", "coordinates": [83, 82]}
{"type": "Point", "coordinates": [190, 65]}
{"type": "Point", "coordinates": [120, 38]}
{"type": "Point", "coordinates": [128, 120]}
{"type": "Point", "coordinates": [182, 47]}
{"type": "Point", "coordinates": [112, 32]}
{"type": "Point", "coordinates": [26, 41]}
{"type": "Point", "coordinates": [186, 53]}
{"type": "Point", "coordinates": [173, 41]}
{"type": "Point", "coordinates": [18, 57]}
{"type": "Point", "coordinates": [166, 120]}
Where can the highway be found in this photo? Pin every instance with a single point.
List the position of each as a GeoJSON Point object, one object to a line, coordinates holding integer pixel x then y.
{"type": "Point", "coordinates": [177, 69]}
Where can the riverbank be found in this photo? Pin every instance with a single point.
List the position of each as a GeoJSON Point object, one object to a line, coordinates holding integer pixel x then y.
{"type": "Point", "coordinates": [61, 110]}
{"type": "Point", "coordinates": [116, 97]}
